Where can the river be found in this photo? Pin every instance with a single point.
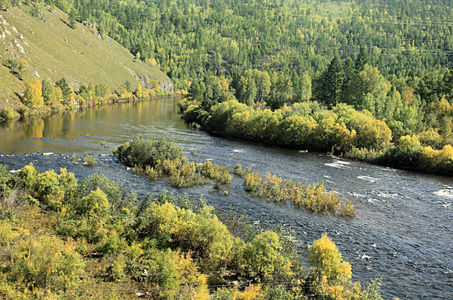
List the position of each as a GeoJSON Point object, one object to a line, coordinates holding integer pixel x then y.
{"type": "Point", "coordinates": [403, 232]}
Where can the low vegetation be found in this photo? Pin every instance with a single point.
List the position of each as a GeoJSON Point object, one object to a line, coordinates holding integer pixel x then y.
{"type": "Point", "coordinates": [313, 197]}
{"type": "Point", "coordinates": [164, 157]}
{"type": "Point", "coordinates": [155, 158]}
{"type": "Point", "coordinates": [89, 160]}
{"type": "Point", "coordinates": [62, 239]}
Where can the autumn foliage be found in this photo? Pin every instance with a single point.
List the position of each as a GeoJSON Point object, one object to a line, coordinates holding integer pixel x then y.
{"type": "Point", "coordinates": [61, 239]}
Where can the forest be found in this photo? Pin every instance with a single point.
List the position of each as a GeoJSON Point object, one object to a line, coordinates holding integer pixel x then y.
{"type": "Point", "coordinates": [388, 62]}
{"type": "Point", "coordinates": [191, 39]}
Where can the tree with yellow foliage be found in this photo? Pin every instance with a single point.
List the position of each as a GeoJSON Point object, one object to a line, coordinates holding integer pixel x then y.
{"type": "Point", "coordinates": [33, 94]}
{"type": "Point", "coordinates": [58, 95]}
{"type": "Point", "coordinates": [330, 271]}
{"type": "Point", "coordinates": [327, 260]}
{"type": "Point", "coordinates": [140, 93]}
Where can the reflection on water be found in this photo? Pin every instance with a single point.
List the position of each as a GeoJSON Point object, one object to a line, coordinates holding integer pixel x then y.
{"type": "Point", "coordinates": [84, 129]}
{"type": "Point", "coordinates": [403, 232]}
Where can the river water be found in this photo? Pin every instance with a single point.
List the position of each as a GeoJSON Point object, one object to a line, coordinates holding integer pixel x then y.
{"type": "Point", "coordinates": [403, 232]}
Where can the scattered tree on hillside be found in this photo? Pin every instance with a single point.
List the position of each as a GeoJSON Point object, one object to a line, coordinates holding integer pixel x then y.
{"type": "Point", "coordinates": [33, 94]}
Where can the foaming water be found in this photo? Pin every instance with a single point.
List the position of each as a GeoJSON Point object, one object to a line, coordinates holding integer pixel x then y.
{"type": "Point", "coordinates": [404, 225]}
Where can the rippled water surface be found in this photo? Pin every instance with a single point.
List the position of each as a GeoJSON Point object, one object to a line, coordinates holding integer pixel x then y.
{"type": "Point", "coordinates": [403, 232]}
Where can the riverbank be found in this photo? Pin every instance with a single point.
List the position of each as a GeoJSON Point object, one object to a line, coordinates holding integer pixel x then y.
{"type": "Point", "coordinates": [10, 114]}
{"type": "Point", "coordinates": [405, 215]}
{"type": "Point", "coordinates": [100, 234]}
{"type": "Point", "coordinates": [341, 130]}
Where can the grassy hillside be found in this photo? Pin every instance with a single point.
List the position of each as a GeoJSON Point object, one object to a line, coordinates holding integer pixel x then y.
{"type": "Point", "coordinates": [50, 50]}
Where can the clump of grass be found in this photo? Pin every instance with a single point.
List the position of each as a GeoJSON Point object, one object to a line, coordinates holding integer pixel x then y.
{"type": "Point", "coordinates": [76, 157]}
{"type": "Point", "coordinates": [216, 172]}
{"type": "Point", "coordinates": [311, 197]}
{"type": "Point", "coordinates": [238, 170]}
{"type": "Point", "coordinates": [347, 210]}
{"type": "Point", "coordinates": [251, 181]}
{"type": "Point", "coordinates": [89, 160]}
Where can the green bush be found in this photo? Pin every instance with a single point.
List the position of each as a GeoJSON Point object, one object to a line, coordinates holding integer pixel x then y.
{"type": "Point", "coordinates": [147, 152]}
{"type": "Point", "coordinates": [110, 240]}
{"type": "Point", "coordinates": [204, 234]}
{"type": "Point", "coordinates": [89, 160]}
{"type": "Point", "coordinates": [7, 181]}
{"type": "Point", "coordinates": [263, 255]}
{"type": "Point", "coordinates": [182, 201]}
{"type": "Point", "coordinates": [112, 188]}
{"type": "Point", "coordinates": [8, 114]}
{"type": "Point", "coordinates": [27, 177]}
{"type": "Point", "coordinates": [116, 269]}
{"type": "Point", "coordinates": [95, 205]}
{"type": "Point", "coordinates": [46, 262]}
{"type": "Point", "coordinates": [47, 183]}
{"type": "Point", "coordinates": [327, 260]}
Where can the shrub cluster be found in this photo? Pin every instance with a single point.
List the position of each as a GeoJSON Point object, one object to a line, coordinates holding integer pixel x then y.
{"type": "Point", "coordinates": [89, 239]}
{"type": "Point", "coordinates": [147, 153]}
{"type": "Point", "coordinates": [164, 157]}
{"type": "Point", "coordinates": [302, 125]}
{"type": "Point", "coordinates": [342, 129]}
{"type": "Point", "coordinates": [410, 154]}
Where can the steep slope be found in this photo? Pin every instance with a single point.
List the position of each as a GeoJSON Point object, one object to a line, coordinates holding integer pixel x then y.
{"type": "Point", "coordinates": [50, 49]}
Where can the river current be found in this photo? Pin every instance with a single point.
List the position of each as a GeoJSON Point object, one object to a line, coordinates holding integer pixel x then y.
{"type": "Point", "coordinates": [403, 232]}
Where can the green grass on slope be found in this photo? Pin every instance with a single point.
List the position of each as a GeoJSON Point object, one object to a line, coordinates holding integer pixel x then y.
{"type": "Point", "coordinates": [53, 50]}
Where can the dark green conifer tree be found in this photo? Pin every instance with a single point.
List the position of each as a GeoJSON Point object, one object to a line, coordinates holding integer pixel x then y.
{"type": "Point", "coordinates": [362, 59]}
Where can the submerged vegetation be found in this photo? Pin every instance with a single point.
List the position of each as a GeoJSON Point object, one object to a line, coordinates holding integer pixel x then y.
{"type": "Point", "coordinates": [164, 157]}
{"type": "Point", "coordinates": [64, 239]}
{"type": "Point", "coordinates": [311, 197]}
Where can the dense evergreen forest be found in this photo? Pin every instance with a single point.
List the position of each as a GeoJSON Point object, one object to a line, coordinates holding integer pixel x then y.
{"type": "Point", "coordinates": [191, 39]}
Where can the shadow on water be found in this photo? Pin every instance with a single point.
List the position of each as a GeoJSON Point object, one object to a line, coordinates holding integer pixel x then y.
{"type": "Point", "coordinates": [403, 232]}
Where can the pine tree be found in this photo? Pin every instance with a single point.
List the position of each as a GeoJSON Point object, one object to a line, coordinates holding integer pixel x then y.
{"type": "Point", "coordinates": [47, 92]}
{"type": "Point", "coordinates": [196, 91]}
{"type": "Point", "coordinates": [362, 59]}
{"type": "Point", "coordinates": [68, 93]}
{"type": "Point", "coordinates": [332, 83]}
{"type": "Point", "coordinates": [349, 71]}
{"type": "Point", "coordinates": [72, 18]}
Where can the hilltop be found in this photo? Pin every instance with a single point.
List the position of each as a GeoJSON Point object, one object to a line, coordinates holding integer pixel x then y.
{"type": "Point", "coordinates": [50, 49]}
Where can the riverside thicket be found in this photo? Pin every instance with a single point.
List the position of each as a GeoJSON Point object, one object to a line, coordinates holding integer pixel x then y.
{"type": "Point", "coordinates": [62, 238]}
